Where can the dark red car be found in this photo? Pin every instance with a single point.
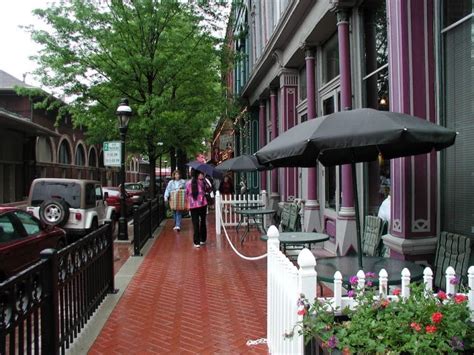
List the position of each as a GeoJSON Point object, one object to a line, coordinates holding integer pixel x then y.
{"type": "Point", "coordinates": [113, 199]}
{"type": "Point", "coordinates": [136, 191]}
{"type": "Point", "coordinates": [22, 238]}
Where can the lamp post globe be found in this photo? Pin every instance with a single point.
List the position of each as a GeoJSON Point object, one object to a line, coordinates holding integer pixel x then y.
{"type": "Point", "coordinates": [124, 112]}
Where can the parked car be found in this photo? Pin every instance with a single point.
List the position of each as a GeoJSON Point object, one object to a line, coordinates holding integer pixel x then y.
{"type": "Point", "coordinates": [136, 191]}
{"type": "Point", "coordinates": [158, 179]}
{"type": "Point", "coordinates": [22, 237]}
{"type": "Point", "coordinates": [78, 206]}
{"type": "Point", "coordinates": [113, 200]}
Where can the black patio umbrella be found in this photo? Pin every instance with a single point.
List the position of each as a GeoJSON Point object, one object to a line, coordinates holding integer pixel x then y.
{"type": "Point", "coordinates": [205, 168]}
{"type": "Point", "coordinates": [242, 163]}
{"type": "Point", "coordinates": [349, 137]}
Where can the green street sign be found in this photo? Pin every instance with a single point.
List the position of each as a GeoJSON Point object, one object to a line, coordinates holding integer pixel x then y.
{"type": "Point", "coordinates": [112, 153]}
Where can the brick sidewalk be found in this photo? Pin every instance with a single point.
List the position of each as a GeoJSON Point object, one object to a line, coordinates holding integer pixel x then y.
{"type": "Point", "coordinates": [188, 300]}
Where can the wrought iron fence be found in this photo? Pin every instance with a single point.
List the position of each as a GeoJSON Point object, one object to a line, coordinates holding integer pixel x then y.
{"type": "Point", "coordinates": [146, 218]}
{"type": "Point", "coordinates": [44, 307]}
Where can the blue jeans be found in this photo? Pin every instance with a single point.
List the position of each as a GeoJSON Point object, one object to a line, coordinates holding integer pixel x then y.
{"type": "Point", "coordinates": [177, 215]}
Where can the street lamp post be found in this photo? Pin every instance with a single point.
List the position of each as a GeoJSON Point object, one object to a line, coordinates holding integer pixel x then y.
{"type": "Point", "coordinates": [124, 112]}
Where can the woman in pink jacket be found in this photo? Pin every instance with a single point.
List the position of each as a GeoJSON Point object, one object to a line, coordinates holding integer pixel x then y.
{"type": "Point", "coordinates": [196, 189]}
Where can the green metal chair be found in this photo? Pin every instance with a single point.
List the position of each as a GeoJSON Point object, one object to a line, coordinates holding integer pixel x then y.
{"type": "Point", "coordinates": [451, 250]}
{"type": "Point", "coordinates": [294, 220]}
{"type": "Point", "coordinates": [285, 217]}
{"type": "Point", "coordinates": [372, 237]}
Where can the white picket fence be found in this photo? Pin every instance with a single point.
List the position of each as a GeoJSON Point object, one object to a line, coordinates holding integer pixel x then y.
{"type": "Point", "coordinates": [285, 282]}
{"type": "Point", "coordinates": [228, 204]}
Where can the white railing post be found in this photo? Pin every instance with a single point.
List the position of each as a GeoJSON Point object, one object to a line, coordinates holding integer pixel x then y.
{"type": "Point", "coordinates": [273, 245]}
{"type": "Point", "coordinates": [450, 286]}
{"type": "Point", "coordinates": [307, 274]}
{"type": "Point", "coordinates": [405, 283]}
{"type": "Point", "coordinates": [360, 280]}
{"type": "Point", "coordinates": [218, 212]}
{"type": "Point", "coordinates": [337, 290]}
{"type": "Point", "coordinates": [470, 295]}
{"type": "Point", "coordinates": [428, 280]}
{"type": "Point", "coordinates": [383, 283]}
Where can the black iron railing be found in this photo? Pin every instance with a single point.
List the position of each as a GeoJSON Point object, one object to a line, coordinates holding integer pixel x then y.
{"type": "Point", "coordinates": [146, 218]}
{"type": "Point", "coordinates": [44, 307]}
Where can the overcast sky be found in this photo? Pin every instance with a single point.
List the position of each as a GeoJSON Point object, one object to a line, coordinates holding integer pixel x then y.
{"type": "Point", "coordinates": [15, 43]}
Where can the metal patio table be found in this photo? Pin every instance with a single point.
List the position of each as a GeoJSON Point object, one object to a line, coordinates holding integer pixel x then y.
{"type": "Point", "coordinates": [348, 266]}
{"type": "Point", "coordinates": [253, 214]}
{"type": "Point", "coordinates": [299, 238]}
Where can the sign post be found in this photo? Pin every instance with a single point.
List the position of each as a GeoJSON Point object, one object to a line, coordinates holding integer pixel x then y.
{"type": "Point", "coordinates": [112, 153]}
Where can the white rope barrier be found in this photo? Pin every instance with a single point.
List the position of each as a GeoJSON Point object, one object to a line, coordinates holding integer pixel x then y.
{"type": "Point", "coordinates": [232, 246]}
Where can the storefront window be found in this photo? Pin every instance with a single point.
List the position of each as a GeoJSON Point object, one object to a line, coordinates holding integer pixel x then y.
{"type": "Point", "coordinates": [457, 170]}
{"type": "Point", "coordinates": [302, 84]}
{"type": "Point", "coordinates": [330, 59]}
{"type": "Point", "coordinates": [376, 95]}
{"type": "Point", "coordinates": [330, 172]}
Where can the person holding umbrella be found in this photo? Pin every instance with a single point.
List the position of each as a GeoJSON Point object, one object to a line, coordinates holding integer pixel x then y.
{"type": "Point", "coordinates": [196, 189]}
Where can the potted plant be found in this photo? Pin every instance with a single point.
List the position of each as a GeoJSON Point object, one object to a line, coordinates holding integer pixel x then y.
{"type": "Point", "coordinates": [421, 323]}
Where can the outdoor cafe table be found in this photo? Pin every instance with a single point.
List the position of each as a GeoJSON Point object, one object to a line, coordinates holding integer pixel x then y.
{"type": "Point", "coordinates": [299, 238]}
{"type": "Point", "coordinates": [253, 214]}
{"type": "Point", "coordinates": [348, 266]}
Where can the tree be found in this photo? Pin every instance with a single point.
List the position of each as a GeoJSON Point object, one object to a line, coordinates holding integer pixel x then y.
{"type": "Point", "coordinates": [159, 54]}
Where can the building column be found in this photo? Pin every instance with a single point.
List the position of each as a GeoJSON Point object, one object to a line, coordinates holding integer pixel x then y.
{"type": "Point", "coordinates": [289, 100]}
{"type": "Point", "coordinates": [275, 195]}
{"type": "Point", "coordinates": [262, 129]}
{"type": "Point", "coordinates": [345, 224]}
{"type": "Point", "coordinates": [412, 90]}
{"type": "Point", "coordinates": [312, 212]}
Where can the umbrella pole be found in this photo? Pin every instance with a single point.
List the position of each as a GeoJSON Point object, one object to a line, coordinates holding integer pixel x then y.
{"type": "Point", "coordinates": [356, 205]}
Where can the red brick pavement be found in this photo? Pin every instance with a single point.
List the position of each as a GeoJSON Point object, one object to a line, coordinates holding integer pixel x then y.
{"type": "Point", "coordinates": [191, 301]}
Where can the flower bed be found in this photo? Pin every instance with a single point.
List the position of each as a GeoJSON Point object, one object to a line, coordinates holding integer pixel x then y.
{"type": "Point", "coordinates": [421, 323]}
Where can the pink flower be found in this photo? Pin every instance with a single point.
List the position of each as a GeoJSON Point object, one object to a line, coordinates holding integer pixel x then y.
{"type": "Point", "coordinates": [460, 298]}
{"type": "Point", "coordinates": [431, 329]}
{"type": "Point", "coordinates": [396, 292]}
{"type": "Point", "coordinates": [442, 295]}
{"type": "Point", "coordinates": [301, 311]}
{"type": "Point", "coordinates": [415, 326]}
{"type": "Point", "coordinates": [384, 303]}
{"type": "Point", "coordinates": [370, 275]}
{"type": "Point", "coordinates": [369, 283]}
{"type": "Point", "coordinates": [436, 317]}
{"type": "Point", "coordinates": [353, 280]}
{"type": "Point", "coordinates": [350, 293]}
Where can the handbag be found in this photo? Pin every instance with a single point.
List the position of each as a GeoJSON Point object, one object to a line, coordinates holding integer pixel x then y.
{"type": "Point", "coordinates": [178, 200]}
{"type": "Point", "coordinates": [210, 198]}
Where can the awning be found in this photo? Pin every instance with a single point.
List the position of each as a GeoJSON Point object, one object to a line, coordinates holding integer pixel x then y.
{"type": "Point", "coordinates": [15, 122]}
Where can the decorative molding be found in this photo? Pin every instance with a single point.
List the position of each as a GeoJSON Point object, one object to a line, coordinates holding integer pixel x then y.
{"type": "Point", "coordinates": [415, 246]}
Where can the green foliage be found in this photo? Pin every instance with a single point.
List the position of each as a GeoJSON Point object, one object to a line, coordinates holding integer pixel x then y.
{"type": "Point", "coordinates": [159, 54]}
{"type": "Point", "coordinates": [416, 325]}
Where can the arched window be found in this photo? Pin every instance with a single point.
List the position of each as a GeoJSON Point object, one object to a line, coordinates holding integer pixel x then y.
{"type": "Point", "coordinates": [92, 157]}
{"type": "Point", "coordinates": [64, 153]}
{"type": "Point", "coordinates": [101, 159]}
{"type": "Point", "coordinates": [80, 155]}
{"type": "Point", "coordinates": [44, 150]}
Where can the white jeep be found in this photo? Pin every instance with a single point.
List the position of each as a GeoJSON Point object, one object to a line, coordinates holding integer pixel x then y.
{"type": "Point", "coordinates": [78, 206]}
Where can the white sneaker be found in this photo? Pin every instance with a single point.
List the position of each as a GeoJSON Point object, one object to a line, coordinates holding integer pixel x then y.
{"type": "Point", "coordinates": [197, 246]}
{"type": "Point", "coordinates": [203, 243]}
{"type": "Point", "coordinates": [174, 228]}
{"type": "Point", "coordinates": [177, 228]}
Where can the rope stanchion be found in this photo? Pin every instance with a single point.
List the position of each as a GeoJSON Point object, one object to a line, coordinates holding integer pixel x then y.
{"type": "Point", "coordinates": [232, 246]}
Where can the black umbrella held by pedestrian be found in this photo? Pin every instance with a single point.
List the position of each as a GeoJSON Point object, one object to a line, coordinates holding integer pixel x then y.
{"type": "Point", "coordinates": [205, 168]}
{"type": "Point", "coordinates": [354, 136]}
